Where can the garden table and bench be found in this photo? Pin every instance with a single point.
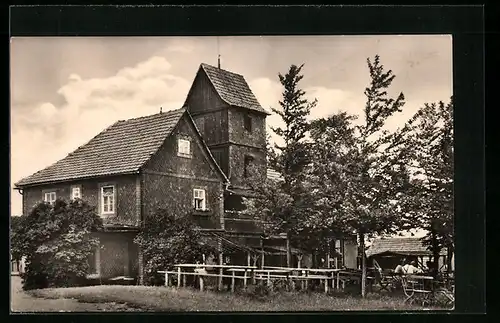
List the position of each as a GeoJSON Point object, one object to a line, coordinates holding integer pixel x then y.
{"type": "Point", "coordinates": [418, 287]}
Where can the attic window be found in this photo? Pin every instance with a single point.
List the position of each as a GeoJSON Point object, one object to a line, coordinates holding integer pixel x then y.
{"type": "Point", "coordinates": [183, 147]}
{"type": "Point", "coordinates": [248, 122]}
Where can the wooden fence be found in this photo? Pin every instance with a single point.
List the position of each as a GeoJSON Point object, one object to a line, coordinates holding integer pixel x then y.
{"type": "Point", "coordinates": [333, 278]}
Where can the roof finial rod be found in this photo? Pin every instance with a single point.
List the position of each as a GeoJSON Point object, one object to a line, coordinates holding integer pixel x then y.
{"type": "Point", "coordinates": [218, 53]}
{"type": "Point", "coordinates": [160, 109]}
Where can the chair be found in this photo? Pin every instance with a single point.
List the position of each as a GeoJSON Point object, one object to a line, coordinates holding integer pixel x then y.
{"type": "Point", "coordinates": [414, 289]}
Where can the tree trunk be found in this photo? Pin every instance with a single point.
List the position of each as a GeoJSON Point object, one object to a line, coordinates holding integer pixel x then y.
{"type": "Point", "coordinates": [288, 251]}
{"type": "Point", "coordinates": [435, 250]}
{"type": "Point", "coordinates": [449, 258]}
{"type": "Point", "coordinates": [363, 264]}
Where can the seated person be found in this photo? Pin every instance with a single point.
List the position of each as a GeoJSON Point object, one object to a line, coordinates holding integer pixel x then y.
{"type": "Point", "coordinates": [399, 268]}
{"type": "Point", "coordinates": [411, 268]}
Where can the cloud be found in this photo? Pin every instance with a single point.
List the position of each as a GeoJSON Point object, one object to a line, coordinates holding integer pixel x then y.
{"type": "Point", "coordinates": [45, 133]}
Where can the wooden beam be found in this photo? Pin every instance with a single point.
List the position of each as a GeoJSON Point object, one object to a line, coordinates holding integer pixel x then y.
{"type": "Point", "coordinates": [221, 262]}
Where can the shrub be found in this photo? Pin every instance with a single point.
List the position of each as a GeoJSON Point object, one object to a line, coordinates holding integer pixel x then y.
{"type": "Point", "coordinates": [166, 240]}
{"type": "Point", "coordinates": [57, 242]}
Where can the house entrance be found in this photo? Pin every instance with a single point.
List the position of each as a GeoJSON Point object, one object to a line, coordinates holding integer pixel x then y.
{"type": "Point", "coordinates": [114, 258]}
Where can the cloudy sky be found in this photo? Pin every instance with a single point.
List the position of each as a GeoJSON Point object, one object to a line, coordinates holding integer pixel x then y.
{"type": "Point", "coordinates": [66, 90]}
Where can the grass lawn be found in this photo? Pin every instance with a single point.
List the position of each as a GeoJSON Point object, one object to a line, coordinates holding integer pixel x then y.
{"type": "Point", "coordinates": [149, 298]}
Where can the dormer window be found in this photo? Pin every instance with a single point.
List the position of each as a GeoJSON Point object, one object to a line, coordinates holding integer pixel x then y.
{"type": "Point", "coordinates": [183, 147]}
{"type": "Point", "coordinates": [248, 122]}
{"type": "Point", "coordinates": [49, 197]}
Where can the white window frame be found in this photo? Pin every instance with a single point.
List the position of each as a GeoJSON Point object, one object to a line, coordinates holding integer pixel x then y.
{"type": "Point", "coordinates": [113, 205]}
{"type": "Point", "coordinates": [183, 147]}
{"type": "Point", "coordinates": [47, 197]}
{"type": "Point", "coordinates": [200, 194]}
{"type": "Point", "coordinates": [77, 189]}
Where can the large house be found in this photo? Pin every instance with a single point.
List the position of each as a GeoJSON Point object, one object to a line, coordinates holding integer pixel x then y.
{"type": "Point", "coordinates": [193, 160]}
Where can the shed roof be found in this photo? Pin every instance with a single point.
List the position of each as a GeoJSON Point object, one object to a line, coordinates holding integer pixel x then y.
{"type": "Point", "coordinates": [122, 148]}
{"type": "Point", "coordinates": [232, 88]}
{"type": "Point", "coordinates": [399, 246]}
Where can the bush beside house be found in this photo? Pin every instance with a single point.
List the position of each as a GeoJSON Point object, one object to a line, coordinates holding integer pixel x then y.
{"type": "Point", "coordinates": [56, 241]}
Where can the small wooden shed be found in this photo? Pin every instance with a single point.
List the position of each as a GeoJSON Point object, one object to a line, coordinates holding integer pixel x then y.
{"type": "Point", "coordinates": [389, 252]}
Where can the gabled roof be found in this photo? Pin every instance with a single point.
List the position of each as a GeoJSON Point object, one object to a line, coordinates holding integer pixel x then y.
{"type": "Point", "coordinates": [122, 148]}
{"type": "Point", "coordinates": [400, 246]}
{"type": "Point", "coordinates": [232, 88]}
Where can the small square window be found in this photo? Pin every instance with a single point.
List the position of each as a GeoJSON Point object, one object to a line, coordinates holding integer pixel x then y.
{"type": "Point", "coordinates": [50, 197]}
{"type": "Point", "coordinates": [184, 147]}
{"type": "Point", "coordinates": [76, 193]}
{"type": "Point", "coordinates": [199, 199]}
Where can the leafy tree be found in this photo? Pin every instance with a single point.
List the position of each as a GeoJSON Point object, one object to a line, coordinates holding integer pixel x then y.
{"type": "Point", "coordinates": [167, 240]}
{"type": "Point", "coordinates": [430, 207]}
{"type": "Point", "coordinates": [15, 222]}
{"type": "Point", "coordinates": [360, 171]}
{"type": "Point", "coordinates": [57, 242]}
{"type": "Point", "coordinates": [283, 203]}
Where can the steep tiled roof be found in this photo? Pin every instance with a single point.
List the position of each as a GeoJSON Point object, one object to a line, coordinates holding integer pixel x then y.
{"type": "Point", "coordinates": [401, 246]}
{"type": "Point", "coordinates": [232, 88]}
{"type": "Point", "coordinates": [122, 148]}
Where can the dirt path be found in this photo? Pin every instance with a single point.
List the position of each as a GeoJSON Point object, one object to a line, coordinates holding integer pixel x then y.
{"type": "Point", "coordinates": [22, 302]}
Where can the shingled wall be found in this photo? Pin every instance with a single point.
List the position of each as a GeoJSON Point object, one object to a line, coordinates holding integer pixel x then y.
{"type": "Point", "coordinates": [125, 185]}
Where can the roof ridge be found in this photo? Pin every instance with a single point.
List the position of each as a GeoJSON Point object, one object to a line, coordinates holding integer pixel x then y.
{"type": "Point", "coordinates": [152, 115]}
{"type": "Point", "coordinates": [220, 69]}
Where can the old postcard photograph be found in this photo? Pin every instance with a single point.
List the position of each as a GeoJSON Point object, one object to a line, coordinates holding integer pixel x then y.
{"type": "Point", "coordinates": [232, 173]}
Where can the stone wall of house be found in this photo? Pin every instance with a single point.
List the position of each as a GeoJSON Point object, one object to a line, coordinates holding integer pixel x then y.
{"type": "Point", "coordinates": [125, 192]}
{"type": "Point", "coordinates": [256, 137]}
{"type": "Point", "coordinates": [246, 143]}
{"type": "Point", "coordinates": [169, 180]}
{"type": "Point", "coordinates": [237, 156]}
